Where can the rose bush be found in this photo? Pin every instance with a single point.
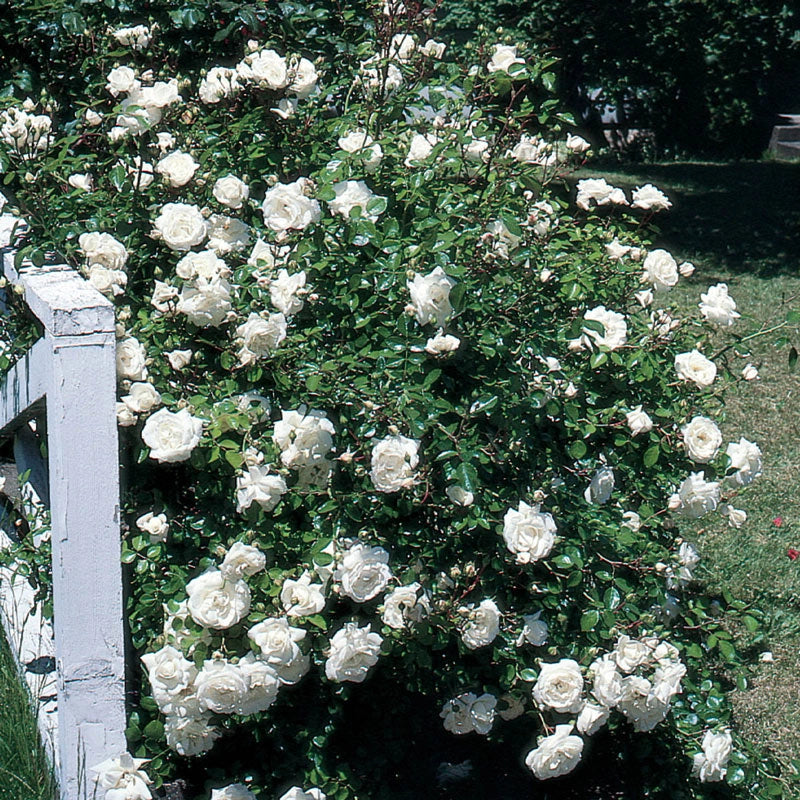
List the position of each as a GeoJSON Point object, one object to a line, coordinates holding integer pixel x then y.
{"type": "Point", "coordinates": [411, 426]}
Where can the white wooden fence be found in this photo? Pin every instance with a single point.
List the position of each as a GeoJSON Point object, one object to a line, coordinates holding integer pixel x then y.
{"type": "Point", "coordinates": [69, 376]}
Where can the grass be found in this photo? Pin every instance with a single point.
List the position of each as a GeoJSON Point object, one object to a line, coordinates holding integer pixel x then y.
{"type": "Point", "coordinates": [740, 223]}
{"type": "Point", "coordinates": [24, 771]}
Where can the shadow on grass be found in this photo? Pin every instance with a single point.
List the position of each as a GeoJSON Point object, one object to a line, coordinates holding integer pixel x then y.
{"type": "Point", "coordinates": [740, 216]}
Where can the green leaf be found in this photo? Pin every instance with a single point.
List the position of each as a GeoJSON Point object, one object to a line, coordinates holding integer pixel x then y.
{"type": "Point", "coordinates": [651, 455]}
{"type": "Point", "coordinates": [589, 620]}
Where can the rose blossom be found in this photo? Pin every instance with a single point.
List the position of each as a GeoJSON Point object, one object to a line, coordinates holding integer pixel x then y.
{"type": "Point", "coordinates": [277, 641]}
{"type": "Point", "coordinates": [556, 755]}
{"type": "Point", "coordinates": [131, 360]}
{"type": "Point", "coordinates": [660, 270]}
{"type": "Point", "coordinates": [468, 712]}
{"type": "Point", "coordinates": [638, 421]}
{"type": "Point", "coordinates": [256, 485]}
{"type": "Point", "coordinates": [142, 397]}
{"type": "Point", "coordinates": [504, 56]}
{"type": "Point", "coordinates": [702, 439]}
{"type": "Point", "coordinates": [529, 533]}
{"type": "Point", "coordinates": [745, 458]}
{"type": "Point", "coordinates": [301, 598]}
{"type": "Point", "coordinates": [394, 460]}
{"type": "Point", "coordinates": [364, 572]}
{"type": "Point", "coordinates": [559, 686]}
{"type": "Point", "coordinates": [168, 671]}
{"type": "Point", "coordinates": [260, 336]}
{"type": "Point", "coordinates": [286, 207]}
{"type": "Point", "coordinates": [215, 602]}
{"type": "Point", "coordinates": [181, 226]}
{"type": "Point", "coordinates": [230, 191]}
{"type": "Point", "coordinates": [220, 687]}
{"type": "Point", "coordinates": [242, 560]}
{"type": "Point", "coordinates": [353, 651]}
{"type": "Point", "coordinates": [154, 525]}
{"type": "Point", "coordinates": [430, 297]}
{"type": "Point", "coordinates": [177, 168]}
{"type": "Point", "coordinates": [695, 367]}
{"type": "Point", "coordinates": [718, 307]}
{"type": "Point", "coordinates": [235, 791]}
{"type": "Point", "coordinates": [404, 605]}
{"type": "Point", "coordinates": [649, 198]}
{"type": "Point", "coordinates": [695, 497]}
{"type": "Point", "coordinates": [353, 194]}
{"type": "Point", "coordinates": [482, 626]}
{"type": "Point", "coordinates": [711, 764]}
{"type": "Point", "coordinates": [190, 736]}
{"type": "Point", "coordinates": [123, 778]}
{"type": "Point", "coordinates": [172, 436]}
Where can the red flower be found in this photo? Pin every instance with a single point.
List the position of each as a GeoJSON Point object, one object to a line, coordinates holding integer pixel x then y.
{"type": "Point", "coordinates": [777, 522]}
{"type": "Point", "coordinates": [792, 553]}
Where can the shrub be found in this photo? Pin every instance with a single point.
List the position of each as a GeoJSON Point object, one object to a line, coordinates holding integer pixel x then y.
{"type": "Point", "coordinates": [409, 428]}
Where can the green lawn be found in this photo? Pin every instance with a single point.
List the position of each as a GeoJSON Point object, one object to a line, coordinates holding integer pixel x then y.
{"type": "Point", "coordinates": [740, 223]}
{"type": "Point", "coordinates": [24, 771]}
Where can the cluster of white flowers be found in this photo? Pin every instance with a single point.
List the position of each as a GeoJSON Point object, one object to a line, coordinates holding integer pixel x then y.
{"type": "Point", "coordinates": [142, 107]}
{"type": "Point", "coordinates": [295, 77]}
{"type": "Point", "coordinates": [122, 778]}
{"type": "Point", "coordinates": [469, 713]}
{"type": "Point", "coordinates": [25, 133]}
{"type": "Point", "coordinates": [305, 439]}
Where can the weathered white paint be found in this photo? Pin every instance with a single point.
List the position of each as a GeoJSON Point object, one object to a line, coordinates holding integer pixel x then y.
{"type": "Point", "coordinates": [72, 369]}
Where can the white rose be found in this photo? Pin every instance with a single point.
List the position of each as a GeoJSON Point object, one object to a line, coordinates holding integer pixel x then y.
{"type": "Point", "coordinates": [168, 671]}
{"type": "Point", "coordinates": [241, 560]}
{"type": "Point", "coordinates": [265, 68]}
{"type": "Point", "coordinates": [374, 77]}
{"type": "Point", "coordinates": [503, 241]}
{"type": "Point", "coordinates": [154, 525]}
{"type": "Point", "coordinates": [256, 485]}
{"type": "Point", "coordinates": [236, 791]}
{"type": "Point", "coordinates": [402, 47]}
{"type": "Point", "coordinates": [592, 718]}
{"type": "Point", "coordinates": [287, 207]}
{"type": "Point", "coordinates": [710, 765]}
{"type": "Point", "coordinates": [140, 172]}
{"type": "Point", "coordinates": [104, 250]}
{"type": "Point", "coordinates": [556, 755]}
{"type": "Point", "coordinates": [231, 191]}
{"type": "Point", "coordinates": [599, 191]}
{"type": "Point", "coordinates": [702, 439]}
{"type": "Point", "coordinates": [364, 572]}
{"type": "Point", "coordinates": [631, 653]}
{"type": "Point", "coordinates": [110, 282]}
{"type": "Point", "coordinates": [218, 84]}
{"type": "Point", "coordinates": [301, 598]}
{"type": "Point", "coordinates": [660, 270]}
{"type": "Point", "coordinates": [178, 359]}
{"type": "Point", "coordinates": [600, 487]}
{"type": "Point", "coordinates": [433, 49]}
{"type": "Point", "coordinates": [220, 687]}
{"type": "Point", "coordinates": [482, 626]}
{"type": "Point", "coordinates": [615, 250]}
{"type": "Point", "coordinates": [631, 520]}
{"type": "Point", "coordinates": [284, 290]}
{"type": "Point", "coordinates": [125, 417]}
{"type": "Point", "coordinates": [260, 337]}
{"type": "Point", "coordinates": [718, 307]}
{"type": "Point", "coordinates": [205, 264]}
{"type": "Point", "coordinates": [649, 198]}
{"type": "Point", "coordinates": [181, 226]}
{"type": "Point", "coordinates": [430, 297]}
{"type": "Point", "coordinates": [607, 685]}
{"type": "Point", "coordinates": [172, 436]}
{"type": "Point", "coordinates": [353, 652]}
{"type": "Point", "coordinates": [504, 56]}
{"type": "Point", "coordinates": [142, 397]}
{"type": "Point", "coordinates": [746, 460]}
{"type": "Point", "coordinates": [696, 496]}
{"type": "Point", "coordinates": [296, 793]}
{"type": "Point", "coordinates": [750, 373]}
{"type": "Point", "coordinates": [695, 367]}
{"type": "Point", "coordinates": [178, 168]}
{"type": "Point", "coordinates": [121, 80]}
{"type": "Point", "coordinates": [394, 461]}
{"type": "Point", "coordinates": [559, 686]}
{"type": "Point", "coordinates": [532, 150]}
{"type": "Point", "coordinates": [304, 437]}
{"type": "Point", "coordinates": [190, 736]}
{"type": "Point", "coordinates": [137, 37]}
{"type": "Point", "coordinates": [81, 180]}
{"type": "Point", "coordinates": [262, 685]}
{"type": "Point", "coordinates": [353, 194]}
{"type": "Point", "coordinates": [359, 141]}
{"type": "Point", "coordinates": [686, 269]}
{"type": "Point", "coordinates": [643, 709]}
{"type": "Point", "coordinates": [420, 148]}
{"type": "Point", "coordinates": [577, 144]}
{"type": "Point", "coordinates": [131, 360]}
{"type": "Point", "coordinates": [227, 234]}
{"type": "Point", "coordinates": [304, 79]}
{"type": "Point", "coordinates": [529, 533]}
{"type": "Point", "coordinates": [534, 630]}
{"type": "Point", "coordinates": [123, 778]}
{"type": "Point", "coordinates": [277, 641]}
{"type": "Point", "coordinates": [615, 329]}
{"type": "Point", "coordinates": [404, 605]}
{"type": "Point", "coordinates": [215, 602]}
{"type": "Point", "coordinates": [206, 303]}
{"type": "Point", "coordinates": [468, 712]}
{"type": "Point", "coordinates": [638, 421]}
{"type": "Point", "coordinates": [160, 95]}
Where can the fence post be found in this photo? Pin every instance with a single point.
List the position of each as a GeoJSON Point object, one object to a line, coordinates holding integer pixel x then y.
{"type": "Point", "coordinates": [74, 366]}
